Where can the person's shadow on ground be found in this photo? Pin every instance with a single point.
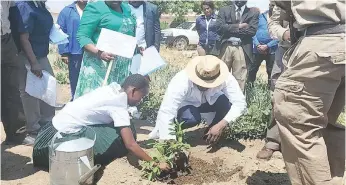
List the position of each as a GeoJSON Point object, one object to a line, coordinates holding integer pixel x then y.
{"type": "Point", "coordinates": [15, 166]}
{"type": "Point", "coordinates": [268, 178]}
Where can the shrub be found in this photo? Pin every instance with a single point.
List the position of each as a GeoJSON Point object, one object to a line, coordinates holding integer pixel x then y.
{"type": "Point", "coordinates": [62, 77]}
{"type": "Point", "coordinates": [60, 65]}
{"type": "Point", "coordinates": [342, 117]}
{"type": "Point", "coordinates": [172, 152]}
{"type": "Point", "coordinates": [164, 25]}
{"type": "Point", "coordinates": [159, 82]}
{"type": "Point", "coordinates": [253, 124]}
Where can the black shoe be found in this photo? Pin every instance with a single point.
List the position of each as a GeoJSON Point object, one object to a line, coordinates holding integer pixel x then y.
{"type": "Point", "coordinates": [12, 141]}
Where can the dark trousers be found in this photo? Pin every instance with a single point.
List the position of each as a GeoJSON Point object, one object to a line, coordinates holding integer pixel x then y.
{"type": "Point", "coordinates": [254, 66]}
{"type": "Point", "coordinates": [191, 115]}
{"type": "Point", "coordinates": [74, 64]}
{"type": "Point", "coordinates": [12, 114]}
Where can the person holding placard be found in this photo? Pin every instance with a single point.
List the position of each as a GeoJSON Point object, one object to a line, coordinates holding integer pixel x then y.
{"type": "Point", "coordinates": [112, 15]}
{"type": "Point", "coordinates": [34, 25]}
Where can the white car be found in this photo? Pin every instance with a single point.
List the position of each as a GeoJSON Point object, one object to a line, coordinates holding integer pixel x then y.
{"type": "Point", "coordinates": [180, 37]}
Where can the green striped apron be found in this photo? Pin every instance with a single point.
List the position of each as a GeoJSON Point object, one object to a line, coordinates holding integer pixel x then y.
{"type": "Point", "coordinates": [108, 144]}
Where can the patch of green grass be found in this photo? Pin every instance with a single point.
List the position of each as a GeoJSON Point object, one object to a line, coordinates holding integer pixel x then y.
{"type": "Point", "coordinates": [62, 77]}
{"type": "Point", "coordinates": [164, 25]}
{"type": "Point", "coordinates": [159, 82]}
{"type": "Point", "coordinates": [253, 124]}
{"type": "Point", "coordinates": [342, 117]}
{"type": "Point", "coordinates": [60, 65]}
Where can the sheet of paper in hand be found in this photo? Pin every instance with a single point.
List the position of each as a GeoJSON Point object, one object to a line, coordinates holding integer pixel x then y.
{"type": "Point", "coordinates": [116, 43]}
{"type": "Point", "coordinates": [42, 88]}
{"type": "Point", "coordinates": [150, 62]}
{"type": "Point", "coordinates": [57, 36]}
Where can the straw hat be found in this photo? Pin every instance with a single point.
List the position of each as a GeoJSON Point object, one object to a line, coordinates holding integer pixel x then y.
{"type": "Point", "coordinates": [207, 71]}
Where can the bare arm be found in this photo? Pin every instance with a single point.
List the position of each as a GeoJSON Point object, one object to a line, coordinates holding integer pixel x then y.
{"type": "Point", "coordinates": [132, 145]}
{"type": "Point", "coordinates": [27, 48]}
{"type": "Point", "coordinates": [26, 45]}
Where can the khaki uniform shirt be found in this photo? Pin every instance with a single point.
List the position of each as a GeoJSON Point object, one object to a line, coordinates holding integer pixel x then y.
{"type": "Point", "coordinates": [307, 12]}
{"type": "Point", "coordinates": [5, 11]}
{"type": "Point", "coordinates": [278, 25]}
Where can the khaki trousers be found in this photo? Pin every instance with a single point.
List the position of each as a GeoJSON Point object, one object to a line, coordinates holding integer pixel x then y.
{"type": "Point", "coordinates": [36, 111]}
{"type": "Point", "coordinates": [309, 97]}
{"type": "Point", "coordinates": [273, 136]}
{"type": "Point", "coordinates": [234, 57]}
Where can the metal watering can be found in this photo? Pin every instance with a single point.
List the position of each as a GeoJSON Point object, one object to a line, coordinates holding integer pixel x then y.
{"type": "Point", "coordinates": [71, 157]}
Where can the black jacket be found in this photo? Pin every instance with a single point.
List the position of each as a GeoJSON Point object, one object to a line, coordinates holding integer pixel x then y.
{"type": "Point", "coordinates": [152, 25]}
{"type": "Point", "coordinates": [228, 27]}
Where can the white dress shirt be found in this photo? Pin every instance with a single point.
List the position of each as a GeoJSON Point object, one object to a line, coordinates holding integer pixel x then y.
{"type": "Point", "coordinates": [140, 30]}
{"type": "Point", "coordinates": [241, 11]}
{"type": "Point", "coordinates": [79, 10]}
{"type": "Point", "coordinates": [236, 39]}
{"type": "Point", "coordinates": [102, 106]}
{"type": "Point", "coordinates": [181, 92]}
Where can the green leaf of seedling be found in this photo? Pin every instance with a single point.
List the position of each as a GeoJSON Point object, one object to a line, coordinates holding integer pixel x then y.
{"type": "Point", "coordinates": [150, 176]}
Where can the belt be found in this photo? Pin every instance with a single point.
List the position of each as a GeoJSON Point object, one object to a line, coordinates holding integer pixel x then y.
{"type": "Point", "coordinates": [234, 43]}
{"type": "Point", "coordinates": [325, 29]}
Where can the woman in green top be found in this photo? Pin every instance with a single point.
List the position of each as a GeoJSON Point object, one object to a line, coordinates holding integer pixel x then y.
{"type": "Point", "coordinates": [113, 15]}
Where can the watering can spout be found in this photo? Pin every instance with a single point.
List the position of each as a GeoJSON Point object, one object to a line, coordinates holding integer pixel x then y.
{"type": "Point", "coordinates": [87, 175]}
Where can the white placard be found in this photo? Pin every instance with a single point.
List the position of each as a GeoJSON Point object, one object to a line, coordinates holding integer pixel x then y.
{"type": "Point", "coordinates": [116, 43]}
{"type": "Point", "coordinates": [57, 36]}
{"type": "Point", "coordinates": [148, 63]}
{"type": "Point", "coordinates": [43, 88]}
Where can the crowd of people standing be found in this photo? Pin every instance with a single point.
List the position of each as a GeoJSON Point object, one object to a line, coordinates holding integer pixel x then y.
{"type": "Point", "coordinates": [306, 78]}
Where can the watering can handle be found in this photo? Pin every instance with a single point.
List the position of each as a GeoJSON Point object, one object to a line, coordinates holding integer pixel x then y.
{"type": "Point", "coordinates": [87, 175]}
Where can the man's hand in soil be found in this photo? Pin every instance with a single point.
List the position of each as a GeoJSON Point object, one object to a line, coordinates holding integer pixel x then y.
{"type": "Point", "coordinates": [215, 132]}
{"type": "Point", "coordinates": [164, 166]}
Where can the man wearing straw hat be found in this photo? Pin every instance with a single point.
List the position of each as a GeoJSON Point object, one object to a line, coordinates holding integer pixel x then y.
{"type": "Point", "coordinates": [204, 86]}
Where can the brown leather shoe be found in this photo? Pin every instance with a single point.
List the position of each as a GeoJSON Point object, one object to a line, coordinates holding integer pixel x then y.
{"type": "Point", "coordinates": [265, 153]}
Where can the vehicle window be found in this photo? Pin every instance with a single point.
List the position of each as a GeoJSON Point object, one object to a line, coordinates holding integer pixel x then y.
{"type": "Point", "coordinates": [185, 25]}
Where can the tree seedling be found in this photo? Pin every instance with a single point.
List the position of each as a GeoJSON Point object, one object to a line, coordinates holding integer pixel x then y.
{"type": "Point", "coordinates": [173, 152]}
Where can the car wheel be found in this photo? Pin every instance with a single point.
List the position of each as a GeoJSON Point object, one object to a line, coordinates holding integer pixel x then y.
{"type": "Point", "coordinates": [181, 43]}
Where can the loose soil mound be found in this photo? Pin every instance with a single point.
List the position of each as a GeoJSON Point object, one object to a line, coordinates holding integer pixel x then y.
{"type": "Point", "coordinates": [204, 172]}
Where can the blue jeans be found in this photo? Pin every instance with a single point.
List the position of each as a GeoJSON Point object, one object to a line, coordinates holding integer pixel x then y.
{"type": "Point", "coordinates": [74, 64]}
{"type": "Point", "coordinates": [191, 115]}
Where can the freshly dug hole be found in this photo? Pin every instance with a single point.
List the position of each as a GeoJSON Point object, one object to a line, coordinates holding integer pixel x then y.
{"type": "Point", "coordinates": [204, 172]}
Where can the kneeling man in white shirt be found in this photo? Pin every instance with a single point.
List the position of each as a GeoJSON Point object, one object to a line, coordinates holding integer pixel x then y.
{"type": "Point", "coordinates": [204, 86]}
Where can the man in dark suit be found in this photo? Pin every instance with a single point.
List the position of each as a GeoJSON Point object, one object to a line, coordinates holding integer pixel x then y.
{"type": "Point", "coordinates": [148, 32]}
{"type": "Point", "coordinates": [236, 25]}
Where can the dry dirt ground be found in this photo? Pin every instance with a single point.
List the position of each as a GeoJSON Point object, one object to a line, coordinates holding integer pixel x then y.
{"type": "Point", "coordinates": [16, 168]}
{"type": "Point", "coordinates": [238, 156]}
